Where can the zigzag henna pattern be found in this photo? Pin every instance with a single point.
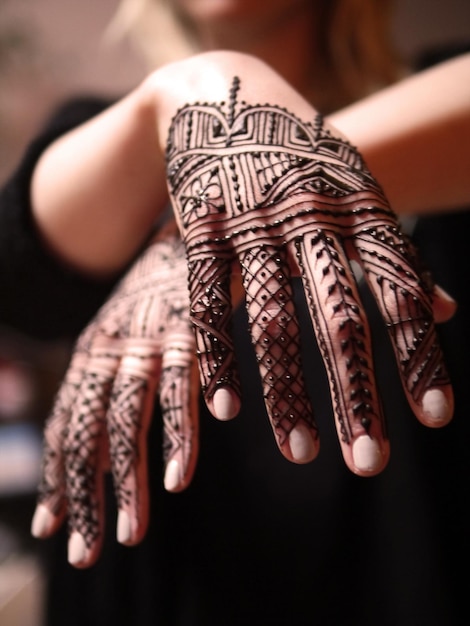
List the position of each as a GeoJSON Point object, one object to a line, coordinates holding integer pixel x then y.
{"type": "Point", "coordinates": [178, 432]}
{"type": "Point", "coordinates": [255, 177]}
{"type": "Point", "coordinates": [385, 255]}
{"type": "Point", "coordinates": [209, 286]}
{"type": "Point", "coordinates": [124, 426]}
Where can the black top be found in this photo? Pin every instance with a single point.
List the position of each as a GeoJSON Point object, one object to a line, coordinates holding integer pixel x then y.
{"type": "Point", "coordinates": [41, 297]}
{"type": "Point", "coordinates": [256, 540]}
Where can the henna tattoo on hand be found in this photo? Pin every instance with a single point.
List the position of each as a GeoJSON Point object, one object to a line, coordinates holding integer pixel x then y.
{"type": "Point", "coordinates": [82, 450]}
{"type": "Point", "coordinates": [139, 344]}
{"type": "Point", "coordinates": [252, 183]}
{"type": "Point", "coordinates": [51, 488]}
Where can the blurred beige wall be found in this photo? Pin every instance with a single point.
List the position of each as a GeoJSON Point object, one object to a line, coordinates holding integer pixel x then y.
{"type": "Point", "coordinates": [50, 48]}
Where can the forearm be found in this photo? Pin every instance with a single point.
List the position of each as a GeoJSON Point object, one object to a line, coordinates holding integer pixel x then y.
{"type": "Point", "coordinates": [97, 190]}
{"type": "Point", "coordinates": [415, 137]}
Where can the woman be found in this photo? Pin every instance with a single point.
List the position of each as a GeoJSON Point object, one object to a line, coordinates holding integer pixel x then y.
{"type": "Point", "coordinates": [225, 574]}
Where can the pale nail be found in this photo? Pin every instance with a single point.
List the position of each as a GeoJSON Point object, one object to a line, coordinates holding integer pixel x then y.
{"type": "Point", "coordinates": [172, 475]}
{"type": "Point", "coordinates": [367, 455]}
{"type": "Point", "coordinates": [303, 446]}
{"type": "Point", "coordinates": [77, 549]}
{"type": "Point", "coordinates": [42, 522]}
{"type": "Point", "coordinates": [226, 404]}
{"type": "Point", "coordinates": [435, 405]}
{"type": "Point", "coordinates": [124, 527]}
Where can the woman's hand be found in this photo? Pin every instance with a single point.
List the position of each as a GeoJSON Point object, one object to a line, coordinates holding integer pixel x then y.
{"type": "Point", "coordinates": [139, 344]}
{"type": "Point", "coordinates": [261, 185]}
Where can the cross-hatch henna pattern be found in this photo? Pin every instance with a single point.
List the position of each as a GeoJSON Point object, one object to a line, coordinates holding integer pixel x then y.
{"type": "Point", "coordinates": [139, 339]}
{"type": "Point", "coordinates": [257, 184]}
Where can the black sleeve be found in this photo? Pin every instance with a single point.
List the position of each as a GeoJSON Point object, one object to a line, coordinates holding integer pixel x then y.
{"type": "Point", "coordinates": [38, 296]}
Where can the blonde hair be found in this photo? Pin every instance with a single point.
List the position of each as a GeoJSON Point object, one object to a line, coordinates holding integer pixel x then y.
{"type": "Point", "coordinates": [355, 41]}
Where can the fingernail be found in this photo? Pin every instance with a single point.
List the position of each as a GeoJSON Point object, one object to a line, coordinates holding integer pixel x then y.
{"type": "Point", "coordinates": [42, 522]}
{"type": "Point", "coordinates": [172, 475]}
{"type": "Point", "coordinates": [435, 405]}
{"type": "Point", "coordinates": [77, 550]}
{"type": "Point", "coordinates": [124, 527]}
{"type": "Point", "coordinates": [303, 446]}
{"type": "Point", "coordinates": [226, 404]}
{"type": "Point", "coordinates": [367, 455]}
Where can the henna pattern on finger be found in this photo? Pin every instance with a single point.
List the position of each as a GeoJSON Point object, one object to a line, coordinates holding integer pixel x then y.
{"type": "Point", "coordinates": [276, 338]}
{"type": "Point", "coordinates": [51, 489]}
{"type": "Point", "coordinates": [341, 332]}
{"type": "Point", "coordinates": [210, 313]}
{"type": "Point", "coordinates": [150, 313]}
{"type": "Point", "coordinates": [178, 430]}
{"type": "Point", "coordinates": [245, 176]}
{"type": "Point", "coordinates": [385, 253]}
{"type": "Point", "coordinates": [81, 449]}
{"type": "Point", "coordinates": [103, 407]}
{"type": "Point", "coordinates": [124, 424]}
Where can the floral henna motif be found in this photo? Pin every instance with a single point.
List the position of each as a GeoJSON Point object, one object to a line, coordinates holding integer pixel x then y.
{"type": "Point", "coordinates": [253, 179]}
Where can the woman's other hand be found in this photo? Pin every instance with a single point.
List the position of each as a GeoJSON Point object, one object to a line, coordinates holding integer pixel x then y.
{"type": "Point", "coordinates": [139, 345]}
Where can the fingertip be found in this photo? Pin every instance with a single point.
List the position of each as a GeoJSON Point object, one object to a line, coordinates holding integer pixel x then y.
{"type": "Point", "coordinates": [131, 527]}
{"type": "Point", "coordinates": [304, 446]}
{"type": "Point", "coordinates": [77, 551]}
{"type": "Point", "coordinates": [43, 522]}
{"type": "Point", "coordinates": [172, 480]}
{"type": "Point", "coordinates": [225, 404]}
{"type": "Point", "coordinates": [124, 528]}
{"type": "Point", "coordinates": [437, 407]}
{"type": "Point", "coordinates": [369, 457]}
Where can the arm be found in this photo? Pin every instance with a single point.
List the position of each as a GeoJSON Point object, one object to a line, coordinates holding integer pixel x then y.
{"type": "Point", "coordinates": [272, 190]}
{"type": "Point", "coordinates": [97, 190]}
{"type": "Point", "coordinates": [415, 137]}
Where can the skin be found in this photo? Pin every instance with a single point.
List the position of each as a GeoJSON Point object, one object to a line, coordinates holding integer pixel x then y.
{"type": "Point", "coordinates": [263, 29]}
{"type": "Point", "coordinates": [206, 78]}
{"type": "Point", "coordinates": [218, 66]}
{"type": "Point", "coordinates": [139, 346]}
{"type": "Point", "coordinates": [120, 177]}
{"type": "Point", "coordinates": [421, 129]}
{"type": "Point", "coordinates": [83, 215]}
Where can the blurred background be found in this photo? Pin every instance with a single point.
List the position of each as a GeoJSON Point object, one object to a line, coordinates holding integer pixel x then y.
{"type": "Point", "coordinates": [50, 49]}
